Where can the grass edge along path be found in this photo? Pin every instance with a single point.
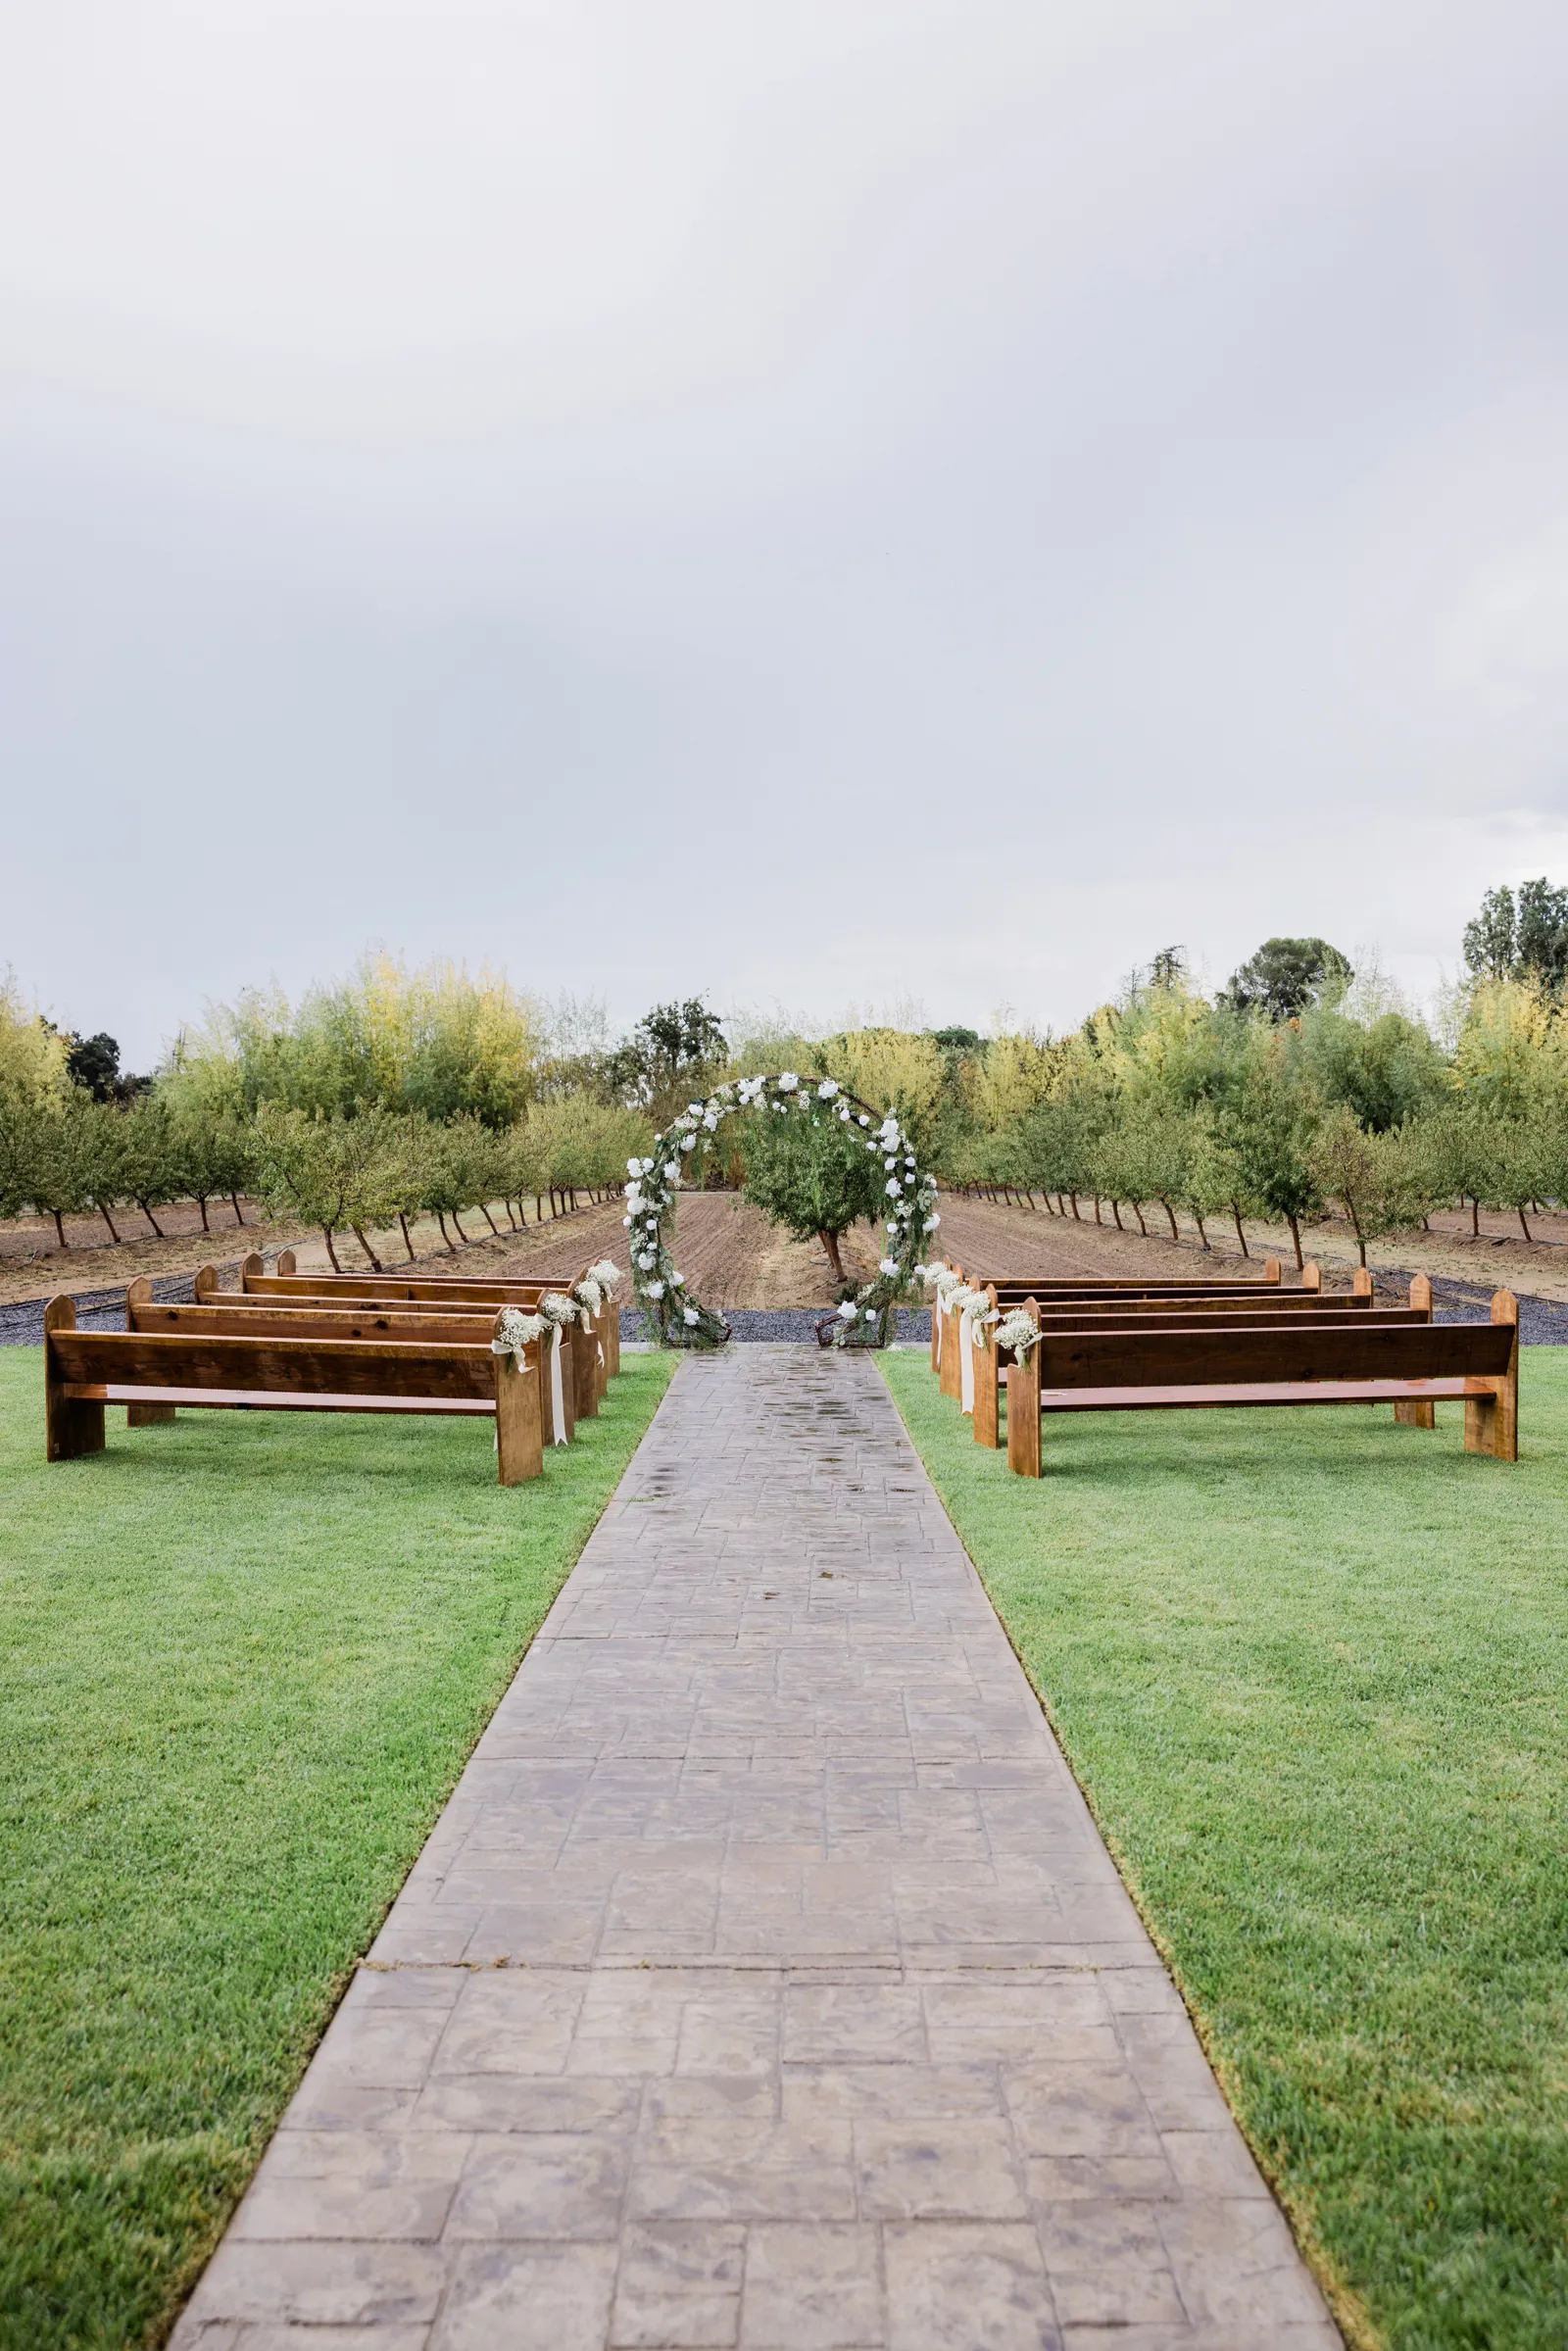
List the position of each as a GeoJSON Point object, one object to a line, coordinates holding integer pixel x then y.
{"type": "Point", "coordinates": [243, 1662]}
{"type": "Point", "coordinates": [1310, 1670]}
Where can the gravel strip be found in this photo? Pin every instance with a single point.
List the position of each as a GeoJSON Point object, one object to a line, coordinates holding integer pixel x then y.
{"type": "Point", "coordinates": [21, 1325]}
{"type": "Point", "coordinates": [762, 1325]}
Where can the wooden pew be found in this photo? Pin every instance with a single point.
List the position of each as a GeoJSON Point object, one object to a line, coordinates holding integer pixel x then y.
{"type": "Point", "coordinates": [596, 1346]}
{"type": "Point", "coordinates": [1311, 1313]}
{"type": "Point", "coordinates": [455, 1323]}
{"type": "Point", "coordinates": [85, 1370]}
{"type": "Point", "coordinates": [439, 1288]}
{"type": "Point", "coordinates": [1365, 1363]}
{"type": "Point", "coordinates": [945, 1361]}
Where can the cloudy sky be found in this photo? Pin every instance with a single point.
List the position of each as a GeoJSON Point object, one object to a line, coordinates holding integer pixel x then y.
{"type": "Point", "coordinates": [814, 504]}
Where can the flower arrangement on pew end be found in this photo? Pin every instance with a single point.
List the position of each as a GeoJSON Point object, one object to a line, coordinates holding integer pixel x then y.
{"type": "Point", "coordinates": [679, 1320]}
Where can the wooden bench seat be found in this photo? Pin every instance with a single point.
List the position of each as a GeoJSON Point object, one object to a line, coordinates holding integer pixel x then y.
{"type": "Point", "coordinates": [1094, 1298]}
{"type": "Point", "coordinates": [229, 1314]}
{"type": "Point", "coordinates": [1412, 1364]}
{"type": "Point", "coordinates": [597, 1346]}
{"type": "Point", "coordinates": [156, 1372]}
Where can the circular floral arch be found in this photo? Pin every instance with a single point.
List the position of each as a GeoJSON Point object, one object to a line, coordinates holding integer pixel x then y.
{"type": "Point", "coordinates": [679, 1320]}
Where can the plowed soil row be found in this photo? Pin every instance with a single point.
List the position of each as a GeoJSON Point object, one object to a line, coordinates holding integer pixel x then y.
{"type": "Point", "coordinates": [732, 1256]}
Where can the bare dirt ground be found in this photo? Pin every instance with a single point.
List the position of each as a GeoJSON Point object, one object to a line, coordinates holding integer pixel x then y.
{"type": "Point", "coordinates": [732, 1256]}
{"type": "Point", "coordinates": [726, 1249]}
{"type": "Point", "coordinates": [34, 1266]}
{"type": "Point", "coordinates": [990, 1238]}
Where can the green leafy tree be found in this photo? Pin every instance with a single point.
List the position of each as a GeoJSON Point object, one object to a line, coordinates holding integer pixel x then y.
{"type": "Point", "coordinates": [55, 1141]}
{"type": "Point", "coordinates": [669, 1058]}
{"type": "Point", "coordinates": [1266, 1127]}
{"type": "Point", "coordinates": [812, 1174]}
{"type": "Point", "coordinates": [152, 1171]}
{"type": "Point", "coordinates": [1286, 975]}
{"type": "Point", "coordinates": [1388, 1070]}
{"type": "Point", "coordinates": [337, 1173]}
{"type": "Point", "coordinates": [1378, 1181]}
{"type": "Point", "coordinates": [1521, 939]}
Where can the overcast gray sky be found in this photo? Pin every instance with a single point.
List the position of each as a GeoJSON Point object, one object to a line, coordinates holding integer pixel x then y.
{"type": "Point", "coordinates": [806, 503]}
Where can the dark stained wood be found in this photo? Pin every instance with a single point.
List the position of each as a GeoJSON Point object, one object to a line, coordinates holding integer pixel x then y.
{"type": "Point", "coordinates": [336, 1366]}
{"type": "Point", "coordinates": [387, 1288]}
{"type": "Point", "coordinates": [1283, 1352]}
{"type": "Point", "coordinates": [1256, 1391]}
{"type": "Point", "coordinates": [1409, 1413]}
{"type": "Point", "coordinates": [244, 1318]}
{"type": "Point", "coordinates": [139, 1299]}
{"type": "Point", "coordinates": [73, 1425]}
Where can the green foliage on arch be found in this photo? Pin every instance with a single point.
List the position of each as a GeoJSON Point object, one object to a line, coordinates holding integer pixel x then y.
{"type": "Point", "coordinates": [679, 1320]}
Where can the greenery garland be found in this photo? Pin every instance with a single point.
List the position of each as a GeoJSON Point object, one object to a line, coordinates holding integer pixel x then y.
{"type": "Point", "coordinates": [679, 1320]}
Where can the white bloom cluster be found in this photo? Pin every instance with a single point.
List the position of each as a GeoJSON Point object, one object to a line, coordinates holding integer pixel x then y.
{"type": "Point", "coordinates": [557, 1307]}
{"type": "Point", "coordinates": [515, 1331]}
{"type": "Point", "coordinates": [608, 1274]}
{"type": "Point", "coordinates": [1018, 1331]}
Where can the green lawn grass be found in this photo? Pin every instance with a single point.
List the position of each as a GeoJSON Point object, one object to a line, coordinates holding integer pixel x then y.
{"type": "Point", "coordinates": [1312, 1670]}
{"type": "Point", "coordinates": [243, 1659]}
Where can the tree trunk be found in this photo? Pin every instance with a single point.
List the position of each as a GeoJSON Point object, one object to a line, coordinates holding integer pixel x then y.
{"type": "Point", "coordinates": [1099, 1220]}
{"type": "Point", "coordinates": [490, 1220]}
{"type": "Point", "coordinates": [201, 1202]}
{"type": "Point", "coordinates": [1139, 1213]}
{"type": "Point", "coordinates": [103, 1211]}
{"type": "Point", "coordinates": [152, 1220]}
{"type": "Point", "coordinates": [1202, 1235]}
{"type": "Point", "coordinates": [239, 1218]}
{"type": "Point", "coordinates": [462, 1234]}
{"type": "Point", "coordinates": [1115, 1209]}
{"type": "Point", "coordinates": [1296, 1236]}
{"type": "Point", "coordinates": [510, 1219]}
{"type": "Point", "coordinates": [59, 1228]}
{"type": "Point", "coordinates": [407, 1243]}
{"type": "Point", "coordinates": [830, 1241]}
{"type": "Point", "coordinates": [331, 1250]}
{"type": "Point", "coordinates": [1171, 1213]}
{"type": "Point", "coordinates": [538, 1209]}
{"type": "Point", "coordinates": [1074, 1197]}
{"type": "Point", "coordinates": [1361, 1246]}
{"type": "Point", "coordinates": [358, 1233]}
{"type": "Point", "coordinates": [452, 1248]}
{"type": "Point", "coordinates": [1475, 1219]}
{"type": "Point", "coordinates": [1239, 1235]}
{"type": "Point", "coordinates": [1523, 1227]}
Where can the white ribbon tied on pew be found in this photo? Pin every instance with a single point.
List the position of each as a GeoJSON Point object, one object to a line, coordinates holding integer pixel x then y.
{"type": "Point", "coordinates": [947, 1284]}
{"type": "Point", "coordinates": [560, 1311]}
{"type": "Point", "coordinates": [975, 1310]}
{"type": "Point", "coordinates": [514, 1334]}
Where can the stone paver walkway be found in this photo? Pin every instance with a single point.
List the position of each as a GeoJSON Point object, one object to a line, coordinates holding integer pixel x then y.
{"type": "Point", "coordinates": [765, 1982]}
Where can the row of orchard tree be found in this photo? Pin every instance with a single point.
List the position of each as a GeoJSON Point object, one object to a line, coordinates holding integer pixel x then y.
{"type": "Point", "coordinates": [1300, 1086]}
{"type": "Point", "coordinates": [1234, 1107]}
{"type": "Point", "coordinates": [390, 1096]}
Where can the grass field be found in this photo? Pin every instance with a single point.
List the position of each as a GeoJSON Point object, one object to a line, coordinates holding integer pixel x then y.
{"type": "Point", "coordinates": [1312, 1671]}
{"type": "Point", "coordinates": [242, 1662]}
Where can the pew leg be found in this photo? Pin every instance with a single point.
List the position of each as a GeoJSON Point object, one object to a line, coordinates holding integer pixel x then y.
{"type": "Point", "coordinates": [520, 1436]}
{"type": "Point", "coordinates": [1413, 1414]}
{"type": "Point", "coordinates": [1492, 1423]}
{"type": "Point", "coordinates": [147, 1416]}
{"type": "Point", "coordinates": [987, 1381]}
{"type": "Point", "coordinates": [71, 1429]}
{"type": "Point", "coordinates": [1023, 1420]}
